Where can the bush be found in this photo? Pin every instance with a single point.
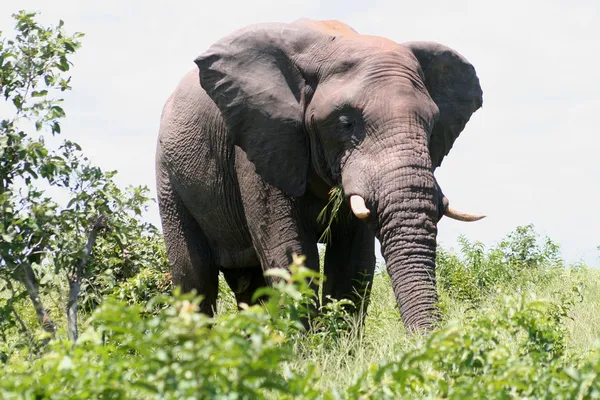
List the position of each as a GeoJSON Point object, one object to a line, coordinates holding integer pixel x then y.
{"type": "Point", "coordinates": [512, 350]}
{"type": "Point", "coordinates": [136, 267]}
{"type": "Point", "coordinates": [176, 353]}
{"type": "Point", "coordinates": [517, 262]}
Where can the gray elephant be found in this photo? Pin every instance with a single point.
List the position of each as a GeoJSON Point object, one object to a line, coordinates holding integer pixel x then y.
{"type": "Point", "coordinates": [252, 141]}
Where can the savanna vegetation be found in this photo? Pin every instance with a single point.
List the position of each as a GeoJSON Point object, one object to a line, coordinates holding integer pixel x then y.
{"type": "Point", "coordinates": [87, 310]}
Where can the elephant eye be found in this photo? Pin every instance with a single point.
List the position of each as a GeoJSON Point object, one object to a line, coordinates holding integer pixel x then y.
{"type": "Point", "coordinates": [346, 123]}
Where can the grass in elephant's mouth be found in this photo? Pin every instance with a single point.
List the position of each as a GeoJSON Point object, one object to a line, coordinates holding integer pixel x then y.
{"type": "Point", "coordinates": [330, 213]}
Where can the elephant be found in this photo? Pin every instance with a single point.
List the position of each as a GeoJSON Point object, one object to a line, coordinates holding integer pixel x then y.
{"type": "Point", "coordinates": [275, 115]}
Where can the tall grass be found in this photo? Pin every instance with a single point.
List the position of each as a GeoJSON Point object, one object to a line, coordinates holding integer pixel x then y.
{"type": "Point", "coordinates": [473, 283]}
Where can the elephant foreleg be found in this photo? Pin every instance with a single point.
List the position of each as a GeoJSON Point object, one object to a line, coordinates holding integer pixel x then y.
{"type": "Point", "coordinates": [350, 263]}
{"type": "Point", "coordinates": [277, 223]}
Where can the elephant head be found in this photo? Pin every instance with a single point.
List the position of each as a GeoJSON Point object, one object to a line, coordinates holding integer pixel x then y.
{"type": "Point", "coordinates": [365, 112]}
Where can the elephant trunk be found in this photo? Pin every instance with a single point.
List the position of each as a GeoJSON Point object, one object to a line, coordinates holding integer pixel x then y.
{"type": "Point", "coordinates": [407, 216]}
{"type": "Point", "coordinates": [404, 201]}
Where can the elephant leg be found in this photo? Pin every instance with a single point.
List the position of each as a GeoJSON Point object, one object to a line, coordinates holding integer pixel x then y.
{"type": "Point", "coordinates": [244, 282]}
{"type": "Point", "coordinates": [278, 224]}
{"type": "Point", "coordinates": [279, 235]}
{"type": "Point", "coordinates": [188, 251]}
{"type": "Point", "coordinates": [350, 264]}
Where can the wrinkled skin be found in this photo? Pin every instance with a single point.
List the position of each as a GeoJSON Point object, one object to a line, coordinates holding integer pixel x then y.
{"type": "Point", "coordinates": [276, 115]}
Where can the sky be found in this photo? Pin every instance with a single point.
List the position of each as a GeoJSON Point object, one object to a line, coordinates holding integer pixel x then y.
{"type": "Point", "coordinates": [530, 155]}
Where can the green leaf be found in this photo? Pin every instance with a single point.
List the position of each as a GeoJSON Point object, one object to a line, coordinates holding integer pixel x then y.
{"type": "Point", "coordinates": [8, 237]}
{"type": "Point", "coordinates": [58, 112]}
{"type": "Point", "coordinates": [63, 64]}
{"type": "Point", "coordinates": [69, 46]}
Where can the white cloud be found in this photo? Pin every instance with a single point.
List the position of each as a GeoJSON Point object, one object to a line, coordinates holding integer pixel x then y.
{"type": "Point", "coordinates": [530, 155]}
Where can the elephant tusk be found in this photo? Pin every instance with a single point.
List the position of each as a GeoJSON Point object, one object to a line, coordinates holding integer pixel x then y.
{"type": "Point", "coordinates": [357, 204]}
{"type": "Point", "coordinates": [462, 216]}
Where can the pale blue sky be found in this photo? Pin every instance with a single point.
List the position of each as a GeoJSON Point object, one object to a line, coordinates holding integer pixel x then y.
{"type": "Point", "coordinates": [530, 155]}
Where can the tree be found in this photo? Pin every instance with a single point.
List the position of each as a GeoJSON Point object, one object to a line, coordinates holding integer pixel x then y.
{"type": "Point", "coordinates": [41, 238]}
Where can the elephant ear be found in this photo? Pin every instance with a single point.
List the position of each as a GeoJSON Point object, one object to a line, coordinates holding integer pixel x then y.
{"type": "Point", "coordinates": [454, 86]}
{"type": "Point", "coordinates": [256, 79]}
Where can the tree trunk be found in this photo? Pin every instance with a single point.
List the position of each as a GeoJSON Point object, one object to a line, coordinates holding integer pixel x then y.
{"type": "Point", "coordinates": [76, 275]}
{"type": "Point", "coordinates": [27, 277]}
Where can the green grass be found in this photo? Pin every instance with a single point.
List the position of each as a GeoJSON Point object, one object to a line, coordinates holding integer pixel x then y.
{"type": "Point", "coordinates": [384, 339]}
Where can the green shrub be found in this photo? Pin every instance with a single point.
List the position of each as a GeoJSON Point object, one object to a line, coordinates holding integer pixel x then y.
{"type": "Point", "coordinates": [175, 353]}
{"type": "Point", "coordinates": [517, 262]}
{"type": "Point", "coordinates": [514, 349]}
{"type": "Point", "coordinates": [92, 239]}
{"type": "Point", "coordinates": [135, 266]}
{"type": "Point", "coordinates": [143, 287]}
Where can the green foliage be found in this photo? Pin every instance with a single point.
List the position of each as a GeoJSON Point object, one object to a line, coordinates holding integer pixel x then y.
{"type": "Point", "coordinates": [45, 240]}
{"type": "Point", "coordinates": [333, 323]}
{"type": "Point", "coordinates": [33, 66]}
{"type": "Point", "coordinates": [518, 261]}
{"type": "Point", "coordinates": [513, 350]}
{"type": "Point", "coordinates": [130, 259]}
{"type": "Point", "coordinates": [514, 347]}
{"type": "Point", "coordinates": [177, 352]}
{"type": "Point", "coordinates": [143, 286]}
